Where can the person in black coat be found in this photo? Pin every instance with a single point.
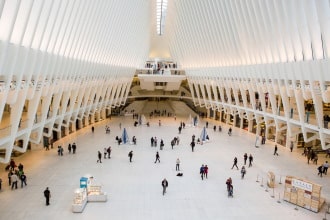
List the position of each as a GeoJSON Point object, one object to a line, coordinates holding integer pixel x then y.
{"type": "Point", "coordinates": [99, 156]}
{"type": "Point", "coordinates": [192, 144]}
{"type": "Point", "coordinates": [164, 185]}
{"type": "Point", "coordinates": [47, 195]}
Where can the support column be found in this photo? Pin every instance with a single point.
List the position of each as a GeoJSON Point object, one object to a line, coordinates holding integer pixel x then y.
{"type": "Point", "coordinates": [73, 126]}
{"type": "Point", "coordinates": [92, 118]}
{"type": "Point", "coordinates": [276, 135]}
{"type": "Point", "coordinates": [97, 116]}
{"type": "Point", "coordinates": [66, 131]}
{"type": "Point", "coordinates": [80, 124]}
{"type": "Point", "coordinates": [258, 129]}
{"type": "Point", "coordinates": [266, 132]}
{"type": "Point", "coordinates": [103, 114]}
{"type": "Point", "coordinates": [227, 118]}
{"type": "Point", "coordinates": [86, 122]}
{"type": "Point", "coordinates": [250, 125]}
{"type": "Point", "coordinates": [234, 120]}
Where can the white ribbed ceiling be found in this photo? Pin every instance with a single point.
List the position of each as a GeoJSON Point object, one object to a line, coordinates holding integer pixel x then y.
{"type": "Point", "coordinates": [212, 33]}
{"type": "Point", "coordinates": [99, 31]}
{"type": "Point", "coordinates": [198, 33]}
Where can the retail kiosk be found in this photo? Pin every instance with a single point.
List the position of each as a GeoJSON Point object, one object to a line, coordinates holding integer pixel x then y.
{"type": "Point", "coordinates": [89, 191]}
{"type": "Point", "coordinates": [303, 193]}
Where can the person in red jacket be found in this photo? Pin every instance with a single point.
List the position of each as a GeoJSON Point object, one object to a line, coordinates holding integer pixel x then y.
{"type": "Point", "coordinates": [206, 170]}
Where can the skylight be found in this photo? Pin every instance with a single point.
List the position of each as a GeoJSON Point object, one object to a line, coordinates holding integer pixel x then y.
{"type": "Point", "coordinates": [161, 14]}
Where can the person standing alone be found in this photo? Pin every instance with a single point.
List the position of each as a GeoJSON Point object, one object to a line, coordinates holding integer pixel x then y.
{"type": "Point", "coordinates": [250, 160]}
{"type": "Point", "coordinates": [177, 168]}
{"type": "Point", "coordinates": [99, 156]}
{"type": "Point", "coordinates": [130, 155]}
{"type": "Point", "coordinates": [47, 195]}
{"type": "Point", "coordinates": [275, 150]}
{"type": "Point", "coordinates": [164, 185]}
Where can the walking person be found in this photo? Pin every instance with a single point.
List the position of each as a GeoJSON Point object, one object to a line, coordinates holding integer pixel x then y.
{"type": "Point", "coordinates": [9, 177]}
{"type": "Point", "coordinates": [250, 160]}
{"type": "Point", "coordinates": [69, 148]}
{"type": "Point", "coordinates": [325, 167]}
{"type": "Point", "coordinates": [99, 156]}
{"type": "Point", "coordinates": [206, 171]}
{"type": "Point", "coordinates": [291, 146]}
{"type": "Point", "coordinates": [172, 143]}
{"type": "Point", "coordinates": [201, 171]}
{"type": "Point", "coordinates": [130, 155]}
{"type": "Point", "coordinates": [164, 185]}
{"type": "Point", "coordinates": [161, 145]}
{"type": "Point", "coordinates": [235, 163]}
{"type": "Point", "coordinates": [47, 195]}
{"type": "Point", "coordinates": [109, 152]}
{"type": "Point", "coordinates": [243, 172]}
{"type": "Point", "coordinates": [177, 167]}
{"type": "Point", "coordinates": [230, 131]}
{"type": "Point", "coordinates": [152, 141]}
{"type": "Point", "coordinates": [230, 187]}
{"type": "Point", "coordinates": [155, 141]}
{"type": "Point", "coordinates": [192, 144]}
{"type": "Point", "coordinates": [263, 139]}
{"type": "Point", "coordinates": [105, 152]}
{"type": "Point", "coordinates": [245, 158]}
{"type": "Point", "coordinates": [74, 148]}
{"type": "Point", "coordinates": [275, 150]}
{"type": "Point", "coordinates": [320, 169]}
{"type": "Point", "coordinates": [157, 157]}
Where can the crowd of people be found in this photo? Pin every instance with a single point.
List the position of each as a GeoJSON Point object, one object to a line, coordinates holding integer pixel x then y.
{"type": "Point", "coordinates": [16, 173]}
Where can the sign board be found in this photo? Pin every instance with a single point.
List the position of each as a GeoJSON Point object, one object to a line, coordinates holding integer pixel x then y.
{"type": "Point", "coordinates": [302, 185]}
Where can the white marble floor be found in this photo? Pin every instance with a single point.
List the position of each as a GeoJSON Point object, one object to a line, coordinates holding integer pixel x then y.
{"type": "Point", "coordinates": [134, 189]}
